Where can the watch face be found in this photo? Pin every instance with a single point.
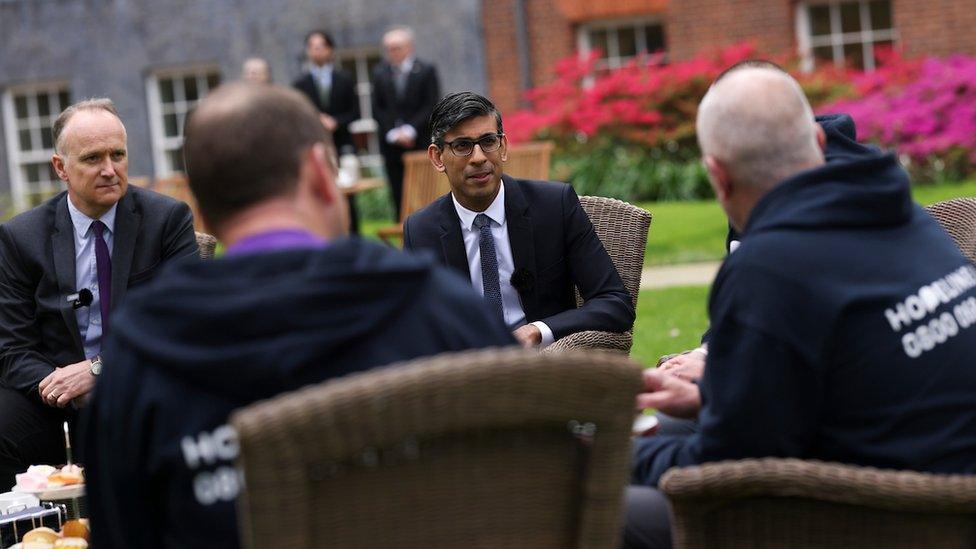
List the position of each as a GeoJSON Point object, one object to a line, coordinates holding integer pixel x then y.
{"type": "Point", "coordinates": [96, 367]}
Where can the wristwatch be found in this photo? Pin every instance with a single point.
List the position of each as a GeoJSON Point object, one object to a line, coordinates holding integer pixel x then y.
{"type": "Point", "coordinates": [96, 365]}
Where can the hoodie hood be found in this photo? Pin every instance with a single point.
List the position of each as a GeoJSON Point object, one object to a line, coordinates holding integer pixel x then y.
{"type": "Point", "coordinates": [233, 325]}
{"type": "Point", "coordinates": [858, 186]}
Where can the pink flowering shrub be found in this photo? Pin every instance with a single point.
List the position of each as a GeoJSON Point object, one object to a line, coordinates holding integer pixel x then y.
{"type": "Point", "coordinates": [925, 109]}
{"type": "Point", "coordinates": [630, 133]}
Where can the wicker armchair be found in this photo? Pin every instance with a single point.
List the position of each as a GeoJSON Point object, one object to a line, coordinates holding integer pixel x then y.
{"type": "Point", "coordinates": [794, 503]}
{"type": "Point", "coordinates": [479, 449]}
{"type": "Point", "coordinates": [207, 244]}
{"type": "Point", "coordinates": [623, 229]}
{"type": "Point", "coordinates": [958, 218]}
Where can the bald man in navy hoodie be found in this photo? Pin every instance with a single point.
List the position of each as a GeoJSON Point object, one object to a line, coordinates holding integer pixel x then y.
{"type": "Point", "coordinates": [842, 329]}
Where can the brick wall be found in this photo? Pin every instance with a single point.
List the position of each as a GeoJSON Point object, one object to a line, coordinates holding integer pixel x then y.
{"type": "Point", "coordinates": [937, 27]}
{"type": "Point", "coordinates": [695, 25]}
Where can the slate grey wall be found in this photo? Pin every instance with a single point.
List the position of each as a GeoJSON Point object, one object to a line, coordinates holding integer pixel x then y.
{"type": "Point", "coordinates": [109, 47]}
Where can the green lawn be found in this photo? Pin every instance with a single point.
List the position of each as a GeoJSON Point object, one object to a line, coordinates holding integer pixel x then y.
{"type": "Point", "coordinates": [669, 320]}
{"type": "Point", "coordinates": [685, 232]}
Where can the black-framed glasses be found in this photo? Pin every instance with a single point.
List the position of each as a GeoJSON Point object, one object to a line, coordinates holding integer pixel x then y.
{"type": "Point", "coordinates": [464, 146]}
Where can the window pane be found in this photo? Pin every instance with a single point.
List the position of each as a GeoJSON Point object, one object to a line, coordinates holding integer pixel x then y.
{"type": "Point", "coordinates": [598, 41]}
{"type": "Point", "coordinates": [166, 90]}
{"type": "Point", "coordinates": [823, 54]}
{"type": "Point", "coordinates": [169, 123]}
{"type": "Point", "coordinates": [190, 88]}
{"type": "Point", "coordinates": [626, 42]}
{"type": "Point", "coordinates": [819, 20]}
{"type": "Point", "coordinates": [854, 56]}
{"type": "Point", "coordinates": [25, 140]}
{"type": "Point", "coordinates": [47, 138]}
{"type": "Point", "coordinates": [51, 174]}
{"type": "Point", "coordinates": [20, 104]}
{"type": "Point", "coordinates": [64, 100]}
{"type": "Point", "coordinates": [655, 38]}
{"type": "Point", "coordinates": [43, 106]}
{"type": "Point", "coordinates": [880, 14]}
{"type": "Point", "coordinates": [850, 17]}
{"type": "Point", "coordinates": [176, 160]}
{"type": "Point", "coordinates": [32, 173]}
{"type": "Point", "coordinates": [213, 80]}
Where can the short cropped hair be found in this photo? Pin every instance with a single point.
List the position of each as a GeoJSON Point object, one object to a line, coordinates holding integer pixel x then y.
{"type": "Point", "coordinates": [325, 36]}
{"type": "Point", "coordinates": [244, 144]}
{"type": "Point", "coordinates": [93, 104]}
{"type": "Point", "coordinates": [455, 109]}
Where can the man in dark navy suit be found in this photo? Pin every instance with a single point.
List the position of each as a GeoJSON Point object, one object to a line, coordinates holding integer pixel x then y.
{"type": "Point", "coordinates": [405, 90]}
{"type": "Point", "coordinates": [523, 244]}
{"type": "Point", "coordinates": [333, 92]}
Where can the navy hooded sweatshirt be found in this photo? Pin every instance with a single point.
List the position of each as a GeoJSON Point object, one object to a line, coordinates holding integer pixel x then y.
{"type": "Point", "coordinates": [842, 329]}
{"type": "Point", "coordinates": [206, 338]}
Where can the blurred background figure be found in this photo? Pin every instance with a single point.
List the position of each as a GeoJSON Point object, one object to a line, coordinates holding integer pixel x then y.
{"type": "Point", "coordinates": [333, 92]}
{"type": "Point", "coordinates": [405, 90]}
{"type": "Point", "coordinates": [256, 70]}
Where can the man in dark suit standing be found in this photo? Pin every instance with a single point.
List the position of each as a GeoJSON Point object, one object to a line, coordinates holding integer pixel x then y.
{"type": "Point", "coordinates": [405, 90]}
{"type": "Point", "coordinates": [64, 266]}
{"type": "Point", "coordinates": [333, 92]}
{"type": "Point", "coordinates": [523, 244]}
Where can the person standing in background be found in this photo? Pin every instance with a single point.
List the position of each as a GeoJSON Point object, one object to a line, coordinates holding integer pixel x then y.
{"type": "Point", "coordinates": [333, 92]}
{"type": "Point", "coordinates": [405, 90]}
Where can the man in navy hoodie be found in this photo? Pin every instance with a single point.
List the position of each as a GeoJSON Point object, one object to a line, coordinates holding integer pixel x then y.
{"type": "Point", "coordinates": [291, 303]}
{"type": "Point", "coordinates": [844, 326]}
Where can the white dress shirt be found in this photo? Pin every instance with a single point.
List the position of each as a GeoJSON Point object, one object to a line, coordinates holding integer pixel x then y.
{"type": "Point", "coordinates": [321, 75]}
{"type": "Point", "coordinates": [511, 303]}
{"type": "Point", "coordinates": [86, 274]}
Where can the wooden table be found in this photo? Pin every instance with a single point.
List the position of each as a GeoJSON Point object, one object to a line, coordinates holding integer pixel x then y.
{"type": "Point", "coordinates": [363, 185]}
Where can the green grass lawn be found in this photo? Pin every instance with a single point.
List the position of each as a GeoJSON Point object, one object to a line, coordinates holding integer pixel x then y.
{"type": "Point", "coordinates": [685, 232]}
{"type": "Point", "coordinates": [669, 320]}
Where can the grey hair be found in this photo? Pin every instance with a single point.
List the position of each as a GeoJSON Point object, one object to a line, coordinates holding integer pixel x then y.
{"type": "Point", "coordinates": [92, 104]}
{"type": "Point", "coordinates": [757, 121]}
{"type": "Point", "coordinates": [407, 31]}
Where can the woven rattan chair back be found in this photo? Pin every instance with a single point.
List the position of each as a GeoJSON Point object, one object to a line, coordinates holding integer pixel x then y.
{"type": "Point", "coordinates": [795, 503]}
{"type": "Point", "coordinates": [479, 449]}
{"type": "Point", "coordinates": [958, 218]}
{"type": "Point", "coordinates": [207, 244]}
{"type": "Point", "coordinates": [623, 230]}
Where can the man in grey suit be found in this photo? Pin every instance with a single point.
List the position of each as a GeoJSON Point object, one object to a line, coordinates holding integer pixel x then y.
{"type": "Point", "coordinates": [64, 266]}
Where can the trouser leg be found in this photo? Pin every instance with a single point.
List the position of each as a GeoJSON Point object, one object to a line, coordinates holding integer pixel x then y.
{"type": "Point", "coordinates": [648, 519]}
{"type": "Point", "coordinates": [30, 434]}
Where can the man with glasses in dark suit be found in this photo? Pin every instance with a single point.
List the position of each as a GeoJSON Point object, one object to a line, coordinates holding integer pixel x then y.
{"type": "Point", "coordinates": [523, 244]}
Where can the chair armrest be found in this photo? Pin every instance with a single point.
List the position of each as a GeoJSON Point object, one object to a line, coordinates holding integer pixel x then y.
{"type": "Point", "coordinates": [831, 482]}
{"type": "Point", "coordinates": [611, 341]}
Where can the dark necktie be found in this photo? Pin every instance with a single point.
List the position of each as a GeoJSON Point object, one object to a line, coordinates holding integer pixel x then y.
{"type": "Point", "coordinates": [103, 264]}
{"type": "Point", "coordinates": [489, 264]}
{"type": "Point", "coordinates": [325, 95]}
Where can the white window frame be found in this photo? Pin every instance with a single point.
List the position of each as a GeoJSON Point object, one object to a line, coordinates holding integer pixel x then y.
{"type": "Point", "coordinates": [837, 39]}
{"type": "Point", "coordinates": [354, 60]}
{"type": "Point", "coordinates": [613, 59]}
{"type": "Point", "coordinates": [17, 158]}
{"type": "Point", "coordinates": [161, 143]}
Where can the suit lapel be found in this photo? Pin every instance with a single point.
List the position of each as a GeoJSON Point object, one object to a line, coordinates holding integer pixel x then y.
{"type": "Point", "coordinates": [520, 238]}
{"type": "Point", "coordinates": [63, 245]}
{"type": "Point", "coordinates": [127, 224]}
{"type": "Point", "coordinates": [452, 243]}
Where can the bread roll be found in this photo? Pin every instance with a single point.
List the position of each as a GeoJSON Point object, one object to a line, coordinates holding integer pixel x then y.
{"type": "Point", "coordinates": [42, 535]}
{"type": "Point", "coordinates": [76, 529]}
{"type": "Point", "coordinates": [71, 543]}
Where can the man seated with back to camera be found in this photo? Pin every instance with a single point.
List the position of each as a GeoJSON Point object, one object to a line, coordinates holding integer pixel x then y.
{"type": "Point", "coordinates": [842, 326]}
{"type": "Point", "coordinates": [291, 303]}
{"type": "Point", "coordinates": [523, 244]}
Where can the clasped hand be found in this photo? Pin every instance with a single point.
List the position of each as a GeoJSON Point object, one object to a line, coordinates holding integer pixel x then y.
{"type": "Point", "coordinates": [67, 383]}
{"type": "Point", "coordinates": [671, 395]}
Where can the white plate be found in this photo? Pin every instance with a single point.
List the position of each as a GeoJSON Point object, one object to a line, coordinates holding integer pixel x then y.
{"type": "Point", "coordinates": [53, 494]}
